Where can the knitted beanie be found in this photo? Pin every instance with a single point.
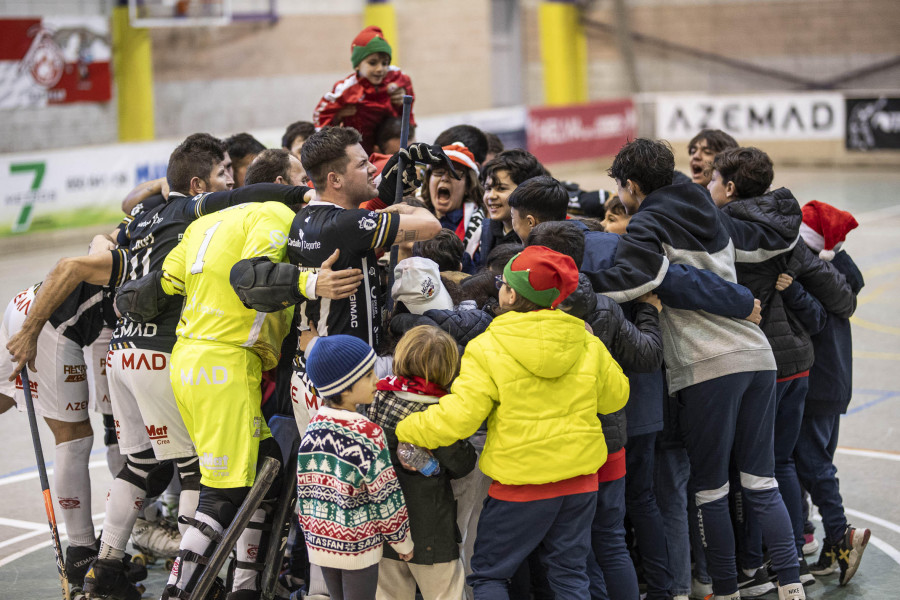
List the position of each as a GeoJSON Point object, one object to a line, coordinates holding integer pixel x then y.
{"type": "Point", "coordinates": [458, 153]}
{"type": "Point", "coordinates": [335, 362]}
{"type": "Point", "coordinates": [542, 275]}
{"type": "Point", "coordinates": [368, 41]}
{"type": "Point", "coordinates": [825, 227]}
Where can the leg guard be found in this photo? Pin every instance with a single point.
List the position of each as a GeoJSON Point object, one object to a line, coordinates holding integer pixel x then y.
{"type": "Point", "coordinates": [196, 547]}
{"type": "Point", "coordinates": [73, 489]}
{"type": "Point", "coordinates": [125, 500]}
{"type": "Point", "coordinates": [189, 477]}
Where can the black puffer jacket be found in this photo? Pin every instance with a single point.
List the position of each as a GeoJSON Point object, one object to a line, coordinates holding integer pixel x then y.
{"type": "Point", "coordinates": [790, 341]}
{"type": "Point", "coordinates": [637, 347]}
{"type": "Point", "coordinates": [462, 325]}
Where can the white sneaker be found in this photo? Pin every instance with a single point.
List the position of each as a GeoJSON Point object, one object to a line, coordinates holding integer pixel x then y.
{"type": "Point", "coordinates": [700, 590]}
{"type": "Point", "coordinates": [155, 539]}
{"type": "Point", "coordinates": [791, 591]}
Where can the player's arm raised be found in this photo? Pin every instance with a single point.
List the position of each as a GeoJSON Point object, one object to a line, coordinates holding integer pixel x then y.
{"type": "Point", "coordinates": [59, 283]}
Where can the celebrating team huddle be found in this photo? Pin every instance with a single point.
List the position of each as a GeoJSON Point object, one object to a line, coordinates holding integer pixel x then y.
{"type": "Point", "coordinates": [471, 414]}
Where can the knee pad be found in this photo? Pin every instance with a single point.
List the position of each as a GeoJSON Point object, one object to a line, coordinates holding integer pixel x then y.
{"type": "Point", "coordinates": [109, 431]}
{"type": "Point", "coordinates": [144, 471]}
{"type": "Point", "coordinates": [188, 472]}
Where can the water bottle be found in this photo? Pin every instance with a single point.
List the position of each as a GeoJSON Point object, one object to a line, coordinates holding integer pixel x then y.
{"type": "Point", "coordinates": [417, 458]}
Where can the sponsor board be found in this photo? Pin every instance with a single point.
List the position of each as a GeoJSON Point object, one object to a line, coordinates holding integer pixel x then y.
{"type": "Point", "coordinates": [800, 116]}
{"type": "Point", "coordinates": [580, 132]}
{"type": "Point", "coordinates": [873, 124]}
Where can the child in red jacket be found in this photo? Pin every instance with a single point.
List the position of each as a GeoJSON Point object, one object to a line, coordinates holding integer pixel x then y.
{"type": "Point", "coordinates": [372, 93]}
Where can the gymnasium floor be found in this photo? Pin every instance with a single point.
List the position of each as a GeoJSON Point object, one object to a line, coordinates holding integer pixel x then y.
{"type": "Point", "coordinates": [868, 458]}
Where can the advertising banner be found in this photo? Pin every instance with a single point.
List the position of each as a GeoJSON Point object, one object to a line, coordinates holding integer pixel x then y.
{"type": "Point", "coordinates": [54, 60]}
{"type": "Point", "coordinates": [580, 132]}
{"type": "Point", "coordinates": [873, 124]}
{"type": "Point", "coordinates": [798, 116]}
{"type": "Point", "coordinates": [50, 190]}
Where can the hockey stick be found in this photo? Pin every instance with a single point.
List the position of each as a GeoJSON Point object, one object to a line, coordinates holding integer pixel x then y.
{"type": "Point", "coordinates": [267, 474]}
{"type": "Point", "coordinates": [398, 194]}
{"type": "Point", "coordinates": [45, 485]}
{"type": "Point", "coordinates": [281, 525]}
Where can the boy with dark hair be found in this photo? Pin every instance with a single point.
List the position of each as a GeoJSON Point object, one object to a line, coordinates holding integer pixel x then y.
{"type": "Point", "coordinates": [703, 148]}
{"type": "Point", "coordinates": [721, 368]}
{"type": "Point", "coordinates": [495, 145]}
{"type": "Point", "coordinates": [501, 176]}
{"type": "Point", "coordinates": [636, 345]}
{"type": "Point", "coordinates": [446, 249]}
{"type": "Point", "coordinates": [387, 136]}
{"type": "Point", "coordinates": [740, 179]}
{"type": "Point", "coordinates": [468, 135]}
{"type": "Point", "coordinates": [295, 135]}
{"type": "Point", "coordinates": [537, 200]}
{"type": "Point", "coordinates": [276, 165]}
{"type": "Point", "coordinates": [242, 148]}
{"type": "Point", "coordinates": [543, 455]}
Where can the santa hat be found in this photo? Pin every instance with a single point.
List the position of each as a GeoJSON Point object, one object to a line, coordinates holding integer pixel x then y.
{"type": "Point", "coordinates": [542, 275]}
{"type": "Point", "coordinates": [458, 153]}
{"type": "Point", "coordinates": [825, 227]}
{"type": "Point", "coordinates": [368, 41]}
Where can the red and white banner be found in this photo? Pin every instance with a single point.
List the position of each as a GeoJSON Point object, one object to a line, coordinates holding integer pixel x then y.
{"type": "Point", "coordinates": [54, 60]}
{"type": "Point", "coordinates": [580, 132]}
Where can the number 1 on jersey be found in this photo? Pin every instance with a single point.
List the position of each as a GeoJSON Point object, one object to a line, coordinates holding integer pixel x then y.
{"type": "Point", "coordinates": [197, 267]}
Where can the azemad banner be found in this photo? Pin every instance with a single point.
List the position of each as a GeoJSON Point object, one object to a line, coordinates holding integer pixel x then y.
{"type": "Point", "coordinates": [873, 123]}
{"type": "Point", "coordinates": [54, 60]}
{"type": "Point", "coordinates": [798, 116]}
{"type": "Point", "coordinates": [49, 190]}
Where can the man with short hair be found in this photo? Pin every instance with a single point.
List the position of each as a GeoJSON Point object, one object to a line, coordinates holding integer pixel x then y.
{"type": "Point", "coordinates": [276, 165]}
{"type": "Point", "coordinates": [242, 148]}
{"type": "Point", "coordinates": [294, 136]}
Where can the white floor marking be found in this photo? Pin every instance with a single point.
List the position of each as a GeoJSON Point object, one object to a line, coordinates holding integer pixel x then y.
{"type": "Point", "coordinates": [44, 544]}
{"type": "Point", "coordinates": [869, 454]}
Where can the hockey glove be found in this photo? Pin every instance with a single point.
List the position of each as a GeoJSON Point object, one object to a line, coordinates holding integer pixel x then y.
{"type": "Point", "coordinates": [141, 300]}
{"type": "Point", "coordinates": [266, 286]}
{"type": "Point", "coordinates": [415, 153]}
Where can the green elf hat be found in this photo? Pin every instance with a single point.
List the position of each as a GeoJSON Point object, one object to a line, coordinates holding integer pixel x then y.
{"type": "Point", "coordinates": [542, 275]}
{"type": "Point", "coordinates": [368, 41]}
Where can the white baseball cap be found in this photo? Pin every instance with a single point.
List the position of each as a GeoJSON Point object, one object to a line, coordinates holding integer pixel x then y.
{"type": "Point", "coordinates": [417, 284]}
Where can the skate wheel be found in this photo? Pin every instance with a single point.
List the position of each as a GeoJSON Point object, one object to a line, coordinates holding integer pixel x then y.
{"type": "Point", "coordinates": [140, 559]}
{"type": "Point", "coordinates": [170, 564]}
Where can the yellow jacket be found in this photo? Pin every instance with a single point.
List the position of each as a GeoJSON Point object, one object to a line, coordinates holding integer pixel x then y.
{"type": "Point", "coordinates": [539, 378]}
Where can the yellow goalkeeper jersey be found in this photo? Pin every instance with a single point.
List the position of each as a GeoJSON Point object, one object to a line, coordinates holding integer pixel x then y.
{"type": "Point", "coordinates": [199, 267]}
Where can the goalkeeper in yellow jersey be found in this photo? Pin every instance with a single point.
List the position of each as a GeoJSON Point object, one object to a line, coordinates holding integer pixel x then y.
{"type": "Point", "coordinates": [218, 359]}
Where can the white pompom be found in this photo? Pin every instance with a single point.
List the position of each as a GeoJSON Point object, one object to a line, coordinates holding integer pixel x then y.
{"type": "Point", "coordinates": [827, 255]}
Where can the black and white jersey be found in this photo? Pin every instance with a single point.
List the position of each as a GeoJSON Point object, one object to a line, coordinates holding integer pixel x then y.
{"type": "Point", "coordinates": [151, 235]}
{"type": "Point", "coordinates": [320, 229]}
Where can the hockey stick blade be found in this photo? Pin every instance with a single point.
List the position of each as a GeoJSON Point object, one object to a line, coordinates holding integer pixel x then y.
{"type": "Point", "coordinates": [267, 474]}
{"type": "Point", "coordinates": [45, 485]}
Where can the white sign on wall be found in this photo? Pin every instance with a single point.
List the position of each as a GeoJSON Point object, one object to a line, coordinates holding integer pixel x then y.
{"type": "Point", "coordinates": [800, 116]}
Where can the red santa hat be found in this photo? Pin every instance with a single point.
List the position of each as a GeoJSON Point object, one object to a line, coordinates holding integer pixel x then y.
{"type": "Point", "coordinates": [825, 227]}
{"type": "Point", "coordinates": [458, 153]}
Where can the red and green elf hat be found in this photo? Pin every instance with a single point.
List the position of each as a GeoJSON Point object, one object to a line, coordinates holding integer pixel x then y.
{"type": "Point", "coordinates": [542, 275]}
{"type": "Point", "coordinates": [368, 41]}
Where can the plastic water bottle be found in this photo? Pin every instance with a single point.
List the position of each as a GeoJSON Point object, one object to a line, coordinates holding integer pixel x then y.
{"type": "Point", "coordinates": [419, 459]}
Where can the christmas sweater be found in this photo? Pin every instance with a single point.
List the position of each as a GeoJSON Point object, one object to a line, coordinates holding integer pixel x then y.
{"type": "Point", "coordinates": [349, 498]}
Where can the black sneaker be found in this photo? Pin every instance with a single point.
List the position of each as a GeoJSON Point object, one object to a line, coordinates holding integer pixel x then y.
{"type": "Point", "coordinates": [755, 585]}
{"type": "Point", "coordinates": [806, 578]}
{"type": "Point", "coordinates": [827, 563]}
{"type": "Point", "coordinates": [849, 551]}
{"type": "Point", "coordinates": [78, 561]}
{"type": "Point", "coordinates": [107, 580]}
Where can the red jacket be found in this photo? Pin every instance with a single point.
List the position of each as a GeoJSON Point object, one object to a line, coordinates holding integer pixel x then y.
{"type": "Point", "coordinates": [373, 104]}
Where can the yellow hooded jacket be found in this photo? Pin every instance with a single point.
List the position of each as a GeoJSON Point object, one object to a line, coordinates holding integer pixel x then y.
{"type": "Point", "coordinates": [539, 378]}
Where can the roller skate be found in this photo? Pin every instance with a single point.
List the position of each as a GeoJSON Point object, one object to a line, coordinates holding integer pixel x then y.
{"type": "Point", "coordinates": [154, 540]}
{"type": "Point", "coordinates": [107, 579]}
{"type": "Point", "coordinates": [78, 561]}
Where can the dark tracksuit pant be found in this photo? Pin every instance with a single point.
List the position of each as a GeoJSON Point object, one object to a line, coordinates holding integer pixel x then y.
{"type": "Point", "coordinates": [815, 467]}
{"type": "Point", "coordinates": [735, 414]}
